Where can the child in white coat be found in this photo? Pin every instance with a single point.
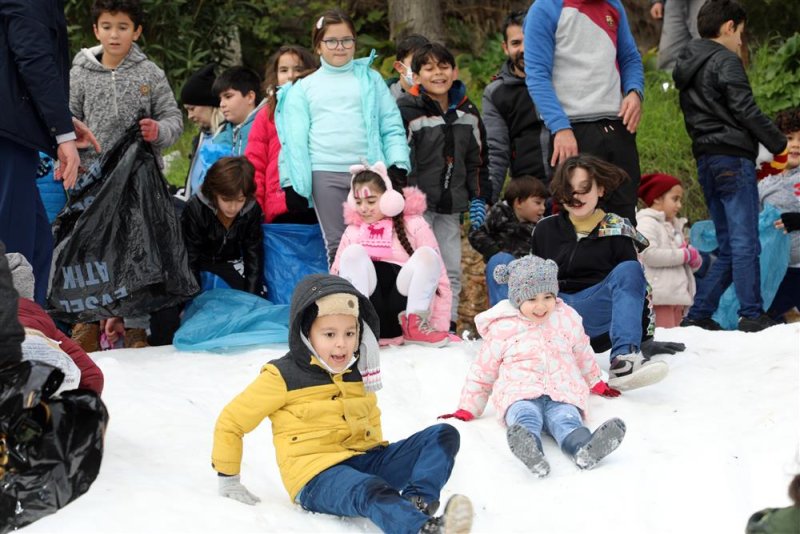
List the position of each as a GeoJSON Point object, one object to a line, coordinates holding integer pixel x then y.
{"type": "Point", "coordinates": [669, 260]}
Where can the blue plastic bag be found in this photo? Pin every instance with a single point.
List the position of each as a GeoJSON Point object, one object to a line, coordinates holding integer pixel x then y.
{"type": "Point", "coordinates": [774, 260]}
{"type": "Point", "coordinates": [52, 192]}
{"type": "Point", "coordinates": [222, 319]}
{"type": "Point", "coordinates": [291, 252]}
{"type": "Point", "coordinates": [207, 155]}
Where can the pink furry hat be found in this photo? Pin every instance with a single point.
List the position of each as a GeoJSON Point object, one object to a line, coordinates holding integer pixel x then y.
{"type": "Point", "coordinates": [391, 202]}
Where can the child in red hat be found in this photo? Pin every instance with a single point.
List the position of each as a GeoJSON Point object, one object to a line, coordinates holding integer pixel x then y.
{"type": "Point", "coordinates": [669, 260]}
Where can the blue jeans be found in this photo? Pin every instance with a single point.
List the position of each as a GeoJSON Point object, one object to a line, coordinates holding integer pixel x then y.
{"type": "Point", "coordinates": [614, 306]}
{"type": "Point", "coordinates": [497, 291]}
{"type": "Point", "coordinates": [379, 483]}
{"type": "Point", "coordinates": [559, 419]}
{"type": "Point", "coordinates": [729, 186]}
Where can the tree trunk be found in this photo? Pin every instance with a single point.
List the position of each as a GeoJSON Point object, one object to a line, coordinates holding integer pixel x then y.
{"type": "Point", "coordinates": [416, 16]}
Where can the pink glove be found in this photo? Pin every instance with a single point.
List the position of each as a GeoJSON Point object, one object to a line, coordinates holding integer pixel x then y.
{"type": "Point", "coordinates": [149, 129]}
{"type": "Point", "coordinates": [692, 257]}
{"type": "Point", "coordinates": [462, 415]}
{"type": "Point", "coordinates": [604, 390]}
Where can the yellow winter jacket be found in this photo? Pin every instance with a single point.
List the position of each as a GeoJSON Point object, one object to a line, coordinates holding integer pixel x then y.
{"type": "Point", "coordinates": [318, 419]}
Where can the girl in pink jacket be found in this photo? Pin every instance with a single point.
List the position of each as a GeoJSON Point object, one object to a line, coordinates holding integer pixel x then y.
{"type": "Point", "coordinates": [537, 359]}
{"type": "Point", "coordinates": [389, 253]}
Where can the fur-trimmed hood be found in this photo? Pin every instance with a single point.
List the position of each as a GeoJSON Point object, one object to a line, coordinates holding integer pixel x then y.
{"type": "Point", "coordinates": [416, 204]}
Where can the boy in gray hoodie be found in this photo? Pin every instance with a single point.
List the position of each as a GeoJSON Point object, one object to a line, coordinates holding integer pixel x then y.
{"type": "Point", "coordinates": [110, 83]}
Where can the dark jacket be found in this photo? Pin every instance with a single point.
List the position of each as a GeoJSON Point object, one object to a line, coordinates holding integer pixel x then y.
{"type": "Point", "coordinates": [31, 315]}
{"type": "Point", "coordinates": [209, 242]}
{"type": "Point", "coordinates": [34, 69]}
{"type": "Point", "coordinates": [11, 332]}
{"type": "Point", "coordinates": [586, 262]}
{"type": "Point", "coordinates": [449, 160]}
{"type": "Point", "coordinates": [513, 130]}
{"type": "Point", "coordinates": [720, 113]}
{"type": "Point", "coordinates": [502, 231]}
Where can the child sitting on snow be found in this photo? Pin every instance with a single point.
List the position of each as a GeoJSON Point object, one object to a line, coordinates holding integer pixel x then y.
{"type": "Point", "coordinates": [326, 423]}
{"type": "Point", "coordinates": [669, 260]}
{"type": "Point", "coordinates": [389, 253]}
{"type": "Point", "coordinates": [537, 359]}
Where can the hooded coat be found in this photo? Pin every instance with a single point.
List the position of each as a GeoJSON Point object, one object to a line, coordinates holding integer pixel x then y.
{"type": "Point", "coordinates": [419, 235]}
{"type": "Point", "coordinates": [319, 419]}
{"type": "Point", "coordinates": [719, 110]}
{"type": "Point", "coordinates": [668, 274]}
{"type": "Point", "coordinates": [109, 100]}
{"type": "Point", "coordinates": [520, 360]}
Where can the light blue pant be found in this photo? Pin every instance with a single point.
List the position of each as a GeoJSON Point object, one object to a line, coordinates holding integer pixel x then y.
{"type": "Point", "coordinates": [447, 229]}
{"type": "Point", "coordinates": [559, 419]}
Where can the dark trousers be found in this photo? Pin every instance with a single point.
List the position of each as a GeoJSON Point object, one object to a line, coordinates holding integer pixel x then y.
{"type": "Point", "coordinates": [379, 483]}
{"type": "Point", "coordinates": [610, 141]}
{"type": "Point", "coordinates": [788, 295]}
{"type": "Point", "coordinates": [24, 227]}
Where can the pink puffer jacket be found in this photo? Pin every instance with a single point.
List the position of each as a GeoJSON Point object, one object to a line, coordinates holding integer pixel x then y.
{"type": "Point", "coordinates": [520, 360]}
{"type": "Point", "coordinates": [419, 235]}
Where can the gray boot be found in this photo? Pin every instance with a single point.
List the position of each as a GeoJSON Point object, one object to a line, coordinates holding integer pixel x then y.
{"type": "Point", "coordinates": [528, 449]}
{"type": "Point", "coordinates": [586, 448]}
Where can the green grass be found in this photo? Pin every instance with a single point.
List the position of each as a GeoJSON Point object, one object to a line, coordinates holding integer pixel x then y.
{"type": "Point", "coordinates": [179, 168]}
{"type": "Point", "coordinates": [664, 146]}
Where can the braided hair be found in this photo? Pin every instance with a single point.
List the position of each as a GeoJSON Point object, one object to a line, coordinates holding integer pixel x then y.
{"type": "Point", "coordinates": [374, 179]}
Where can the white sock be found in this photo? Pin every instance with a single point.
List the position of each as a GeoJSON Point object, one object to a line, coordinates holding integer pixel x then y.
{"type": "Point", "coordinates": [356, 267]}
{"type": "Point", "coordinates": [419, 278]}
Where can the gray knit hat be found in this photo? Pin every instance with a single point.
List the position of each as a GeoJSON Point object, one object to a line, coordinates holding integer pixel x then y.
{"type": "Point", "coordinates": [527, 277]}
{"type": "Point", "coordinates": [21, 273]}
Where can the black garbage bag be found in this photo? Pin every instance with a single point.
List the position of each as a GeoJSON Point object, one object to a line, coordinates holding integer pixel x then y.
{"type": "Point", "coordinates": [119, 250]}
{"type": "Point", "coordinates": [50, 447]}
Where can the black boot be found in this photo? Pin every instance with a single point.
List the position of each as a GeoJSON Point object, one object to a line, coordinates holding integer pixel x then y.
{"type": "Point", "coordinates": [586, 449]}
{"type": "Point", "coordinates": [528, 449]}
{"type": "Point", "coordinates": [427, 508]}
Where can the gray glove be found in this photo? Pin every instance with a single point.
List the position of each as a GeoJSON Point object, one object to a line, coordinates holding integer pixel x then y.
{"type": "Point", "coordinates": [232, 488]}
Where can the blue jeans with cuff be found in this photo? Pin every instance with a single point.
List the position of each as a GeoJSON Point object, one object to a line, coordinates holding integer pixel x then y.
{"type": "Point", "coordinates": [378, 484]}
{"type": "Point", "coordinates": [559, 419]}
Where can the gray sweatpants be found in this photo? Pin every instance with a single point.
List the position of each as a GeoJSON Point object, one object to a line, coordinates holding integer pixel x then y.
{"type": "Point", "coordinates": [447, 229]}
{"type": "Point", "coordinates": [680, 27]}
{"type": "Point", "coordinates": [329, 190]}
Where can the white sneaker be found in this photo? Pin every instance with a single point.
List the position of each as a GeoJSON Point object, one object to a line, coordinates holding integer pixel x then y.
{"type": "Point", "coordinates": [631, 371]}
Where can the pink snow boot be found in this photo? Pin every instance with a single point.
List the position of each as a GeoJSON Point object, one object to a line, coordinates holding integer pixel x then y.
{"type": "Point", "coordinates": [416, 330]}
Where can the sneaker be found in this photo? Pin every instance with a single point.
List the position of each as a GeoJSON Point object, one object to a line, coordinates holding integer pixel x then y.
{"type": "Point", "coordinates": [424, 507]}
{"type": "Point", "coordinates": [706, 323]}
{"type": "Point", "coordinates": [755, 324]}
{"type": "Point", "coordinates": [603, 442]}
{"type": "Point", "coordinates": [87, 335]}
{"type": "Point", "coordinates": [135, 338]}
{"type": "Point", "coordinates": [525, 447]}
{"type": "Point", "coordinates": [416, 330]}
{"type": "Point", "coordinates": [456, 519]}
{"type": "Point", "coordinates": [631, 371]}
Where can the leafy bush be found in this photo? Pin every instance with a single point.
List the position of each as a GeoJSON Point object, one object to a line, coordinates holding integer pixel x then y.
{"type": "Point", "coordinates": [775, 75]}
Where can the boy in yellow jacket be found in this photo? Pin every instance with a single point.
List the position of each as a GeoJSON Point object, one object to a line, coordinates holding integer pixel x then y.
{"type": "Point", "coordinates": [326, 423]}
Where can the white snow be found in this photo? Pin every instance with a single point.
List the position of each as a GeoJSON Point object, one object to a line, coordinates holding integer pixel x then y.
{"type": "Point", "coordinates": [705, 448]}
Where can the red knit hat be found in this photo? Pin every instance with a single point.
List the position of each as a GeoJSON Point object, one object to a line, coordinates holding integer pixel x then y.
{"type": "Point", "coordinates": [654, 185]}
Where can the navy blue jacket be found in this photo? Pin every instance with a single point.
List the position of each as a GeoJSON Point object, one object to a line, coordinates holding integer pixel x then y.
{"type": "Point", "coordinates": [34, 70]}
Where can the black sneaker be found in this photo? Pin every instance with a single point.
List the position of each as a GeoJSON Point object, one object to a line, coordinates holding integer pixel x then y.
{"type": "Point", "coordinates": [525, 447]}
{"type": "Point", "coordinates": [424, 507]}
{"type": "Point", "coordinates": [706, 323]}
{"type": "Point", "coordinates": [755, 324]}
{"type": "Point", "coordinates": [456, 519]}
{"type": "Point", "coordinates": [453, 328]}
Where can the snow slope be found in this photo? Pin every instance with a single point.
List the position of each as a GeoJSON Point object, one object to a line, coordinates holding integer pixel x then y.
{"type": "Point", "coordinates": [712, 443]}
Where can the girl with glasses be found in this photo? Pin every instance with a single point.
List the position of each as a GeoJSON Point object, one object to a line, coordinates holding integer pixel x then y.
{"type": "Point", "coordinates": [336, 117]}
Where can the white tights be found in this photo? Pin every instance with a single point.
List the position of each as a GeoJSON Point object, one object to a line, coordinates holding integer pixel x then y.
{"type": "Point", "coordinates": [417, 279]}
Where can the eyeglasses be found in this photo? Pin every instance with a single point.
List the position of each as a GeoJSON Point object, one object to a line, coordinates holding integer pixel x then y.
{"type": "Point", "coordinates": [332, 44]}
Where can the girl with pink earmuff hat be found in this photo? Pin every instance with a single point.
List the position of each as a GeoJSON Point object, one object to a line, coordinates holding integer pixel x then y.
{"type": "Point", "coordinates": [389, 253]}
